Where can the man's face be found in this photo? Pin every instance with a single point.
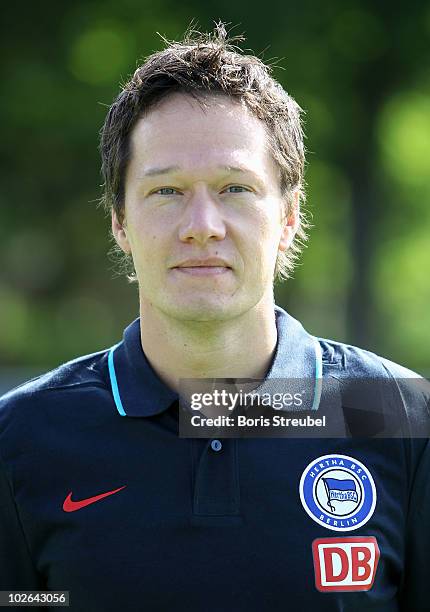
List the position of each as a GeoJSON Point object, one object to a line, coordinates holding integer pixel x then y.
{"type": "Point", "coordinates": [203, 209]}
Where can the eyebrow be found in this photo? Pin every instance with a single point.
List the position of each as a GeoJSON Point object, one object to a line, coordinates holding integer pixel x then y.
{"type": "Point", "coordinates": [159, 171]}
{"type": "Point", "coordinates": [156, 171]}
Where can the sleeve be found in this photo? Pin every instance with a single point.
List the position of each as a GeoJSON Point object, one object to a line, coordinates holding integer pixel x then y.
{"type": "Point", "coordinates": [415, 588]}
{"type": "Point", "coordinates": [17, 571]}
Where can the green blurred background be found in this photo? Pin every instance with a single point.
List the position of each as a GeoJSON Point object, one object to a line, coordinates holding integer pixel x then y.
{"type": "Point", "coordinates": [362, 73]}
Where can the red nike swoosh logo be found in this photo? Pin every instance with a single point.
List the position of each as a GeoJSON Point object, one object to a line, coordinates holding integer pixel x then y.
{"type": "Point", "coordinates": [70, 505]}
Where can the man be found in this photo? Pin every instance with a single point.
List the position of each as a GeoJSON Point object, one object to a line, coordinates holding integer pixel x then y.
{"type": "Point", "coordinates": [203, 163]}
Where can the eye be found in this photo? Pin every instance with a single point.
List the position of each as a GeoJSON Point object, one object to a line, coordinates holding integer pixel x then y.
{"type": "Point", "coordinates": [165, 191]}
{"type": "Point", "coordinates": [236, 189]}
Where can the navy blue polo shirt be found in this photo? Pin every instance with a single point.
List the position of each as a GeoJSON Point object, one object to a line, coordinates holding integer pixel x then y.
{"type": "Point", "coordinates": [101, 497]}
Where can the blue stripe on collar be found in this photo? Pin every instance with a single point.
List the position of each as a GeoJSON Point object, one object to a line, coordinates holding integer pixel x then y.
{"type": "Point", "coordinates": [318, 375]}
{"type": "Point", "coordinates": [114, 382]}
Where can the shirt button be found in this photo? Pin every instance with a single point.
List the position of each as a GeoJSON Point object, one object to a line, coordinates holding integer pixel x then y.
{"type": "Point", "coordinates": [216, 445]}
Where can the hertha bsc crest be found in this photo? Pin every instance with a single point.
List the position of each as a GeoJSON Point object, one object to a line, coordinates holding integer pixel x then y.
{"type": "Point", "coordinates": [338, 492]}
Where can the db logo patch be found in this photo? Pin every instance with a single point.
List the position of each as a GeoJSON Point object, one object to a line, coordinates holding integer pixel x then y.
{"type": "Point", "coordinates": [345, 564]}
{"type": "Point", "coordinates": [338, 492]}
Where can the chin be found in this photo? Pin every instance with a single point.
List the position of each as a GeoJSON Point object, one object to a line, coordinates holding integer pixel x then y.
{"type": "Point", "coordinates": [203, 309]}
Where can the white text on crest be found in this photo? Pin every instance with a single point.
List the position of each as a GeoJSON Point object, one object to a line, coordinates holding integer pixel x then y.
{"type": "Point", "coordinates": [323, 465]}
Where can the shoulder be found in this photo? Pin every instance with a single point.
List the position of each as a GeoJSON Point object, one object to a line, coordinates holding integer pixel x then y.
{"type": "Point", "coordinates": [353, 361]}
{"type": "Point", "coordinates": [395, 384]}
{"type": "Point", "coordinates": [82, 375]}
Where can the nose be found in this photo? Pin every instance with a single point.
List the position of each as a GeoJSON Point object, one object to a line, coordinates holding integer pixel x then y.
{"type": "Point", "coordinates": [201, 220]}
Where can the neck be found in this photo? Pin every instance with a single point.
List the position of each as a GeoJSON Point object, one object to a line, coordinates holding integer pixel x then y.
{"type": "Point", "coordinates": [242, 347]}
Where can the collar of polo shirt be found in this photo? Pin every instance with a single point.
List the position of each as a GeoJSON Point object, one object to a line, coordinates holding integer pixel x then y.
{"type": "Point", "coordinates": [139, 392]}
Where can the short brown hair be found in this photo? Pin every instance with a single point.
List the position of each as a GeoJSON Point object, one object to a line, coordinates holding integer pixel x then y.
{"type": "Point", "coordinates": [201, 64]}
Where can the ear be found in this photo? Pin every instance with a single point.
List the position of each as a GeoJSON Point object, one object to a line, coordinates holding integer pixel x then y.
{"type": "Point", "coordinates": [120, 234]}
{"type": "Point", "coordinates": [290, 224]}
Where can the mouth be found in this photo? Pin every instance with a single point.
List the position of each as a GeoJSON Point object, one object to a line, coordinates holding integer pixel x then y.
{"type": "Point", "coordinates": [203, 267]}
{"type": "Point", "coordinates": [210, 266]}
{"type": "Point", "coordinates": [202, 270]}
